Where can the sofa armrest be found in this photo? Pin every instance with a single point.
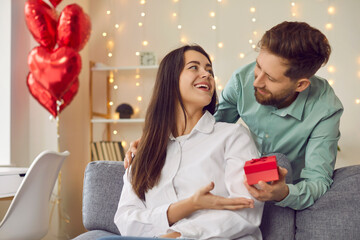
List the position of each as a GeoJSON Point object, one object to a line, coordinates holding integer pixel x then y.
{"type": "Point", "coordinates": [103, 183]}
{"type": "Point", "coordinates": [335, 215]}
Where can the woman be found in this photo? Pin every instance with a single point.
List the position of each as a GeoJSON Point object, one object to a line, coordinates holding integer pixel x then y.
{"type": "Point", "coordinates": [182, 156]}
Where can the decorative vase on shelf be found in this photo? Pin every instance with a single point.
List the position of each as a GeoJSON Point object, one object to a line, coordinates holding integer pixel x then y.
{"type": "Point", "coordinates": [124, 110]}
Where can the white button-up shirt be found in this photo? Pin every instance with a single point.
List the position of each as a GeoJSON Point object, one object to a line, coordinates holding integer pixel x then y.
{"type": "Point", "coordinates": [211, 152]}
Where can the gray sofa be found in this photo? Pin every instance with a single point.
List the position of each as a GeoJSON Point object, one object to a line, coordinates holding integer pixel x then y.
{"type": "Point", "coordinates": [336, 215]}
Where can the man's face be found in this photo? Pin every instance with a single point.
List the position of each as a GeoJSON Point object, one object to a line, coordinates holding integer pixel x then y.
{"type": "Point", "coordinates": [272, 87]}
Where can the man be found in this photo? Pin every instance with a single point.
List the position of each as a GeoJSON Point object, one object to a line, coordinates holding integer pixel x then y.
{"type": "Point", "coordinates": [288, 110]}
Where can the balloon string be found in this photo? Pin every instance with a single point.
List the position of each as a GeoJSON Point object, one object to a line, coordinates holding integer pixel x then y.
{"type": "Point", "coordinates": [57, 199]}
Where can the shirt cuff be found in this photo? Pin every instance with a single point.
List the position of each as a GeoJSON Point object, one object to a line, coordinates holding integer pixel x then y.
{"type": "Point", "coordinates": [160, 217]}
{"type": "Point", "coordinates": [290, 198]}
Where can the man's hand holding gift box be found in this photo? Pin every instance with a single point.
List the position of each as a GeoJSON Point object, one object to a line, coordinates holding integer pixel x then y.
{"type": "Point", "coordinates": [261, 169]}
{"type": "Point", "coordinates": [265, 180]}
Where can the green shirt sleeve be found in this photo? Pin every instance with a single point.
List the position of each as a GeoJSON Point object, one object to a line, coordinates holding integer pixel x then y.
{"type": "Point", "coordinates": [316, 176]}
{"type": "Point", "coordinates": [228, 103]}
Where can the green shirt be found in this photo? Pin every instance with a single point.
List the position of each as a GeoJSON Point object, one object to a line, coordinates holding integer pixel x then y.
{"type": "Point", "coordinates": [307, 131]}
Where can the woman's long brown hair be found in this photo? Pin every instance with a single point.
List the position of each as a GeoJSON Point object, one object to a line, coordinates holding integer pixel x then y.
{"type": "Point", "coordinates": [160, 121]}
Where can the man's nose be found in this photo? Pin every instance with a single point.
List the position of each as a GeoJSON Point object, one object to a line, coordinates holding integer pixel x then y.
{"type": "Point", "coordinates": [259, 81]}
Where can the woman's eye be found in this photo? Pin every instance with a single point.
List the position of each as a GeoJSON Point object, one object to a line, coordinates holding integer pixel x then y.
{"type": "Point", "coordinates": [193, 67]}
{"type": "Point", "coordinates": [210, 71]}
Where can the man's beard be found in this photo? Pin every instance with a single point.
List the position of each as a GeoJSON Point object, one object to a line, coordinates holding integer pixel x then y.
{"type": "Point", "coordinates": [273, 100]}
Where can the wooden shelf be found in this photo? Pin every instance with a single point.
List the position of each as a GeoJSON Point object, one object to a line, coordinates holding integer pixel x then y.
{"type": "Point", "coordinates": [131, 120]}
{"type": "Point", "coordinates": [103, 67]}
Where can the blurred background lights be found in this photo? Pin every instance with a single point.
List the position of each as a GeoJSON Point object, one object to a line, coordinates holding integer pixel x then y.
{"type": "Point", "coordinates": [331, 69]}
{"type": "Point", "coordinates": [252, 9]}
{"type": "Point", "coordinates": [212, 14]}
{"type": "Point", "coordinates": [220, 45]}
{"type": "Point", "coordinates": [357, 101]}
{"type": "Point", "coordinates": [328, 26]}
{"type": "Point", "coordinates": [139, 98]}
{"type": "Point", "coordinates": [331, 10]}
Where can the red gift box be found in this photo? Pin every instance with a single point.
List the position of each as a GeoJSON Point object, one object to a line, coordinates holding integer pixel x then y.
{"type": "Point", "coordinates": [261, 169]}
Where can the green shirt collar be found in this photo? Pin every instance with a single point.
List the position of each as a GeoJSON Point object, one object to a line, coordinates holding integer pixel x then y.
{"type": "Point", "coordinates": [295, 109]}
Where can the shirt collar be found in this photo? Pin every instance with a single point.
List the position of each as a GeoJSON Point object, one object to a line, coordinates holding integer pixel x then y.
{"type": "Point", "coordinates": [204, 125]}
{"type": "Point", "coordinates": [296, 109]}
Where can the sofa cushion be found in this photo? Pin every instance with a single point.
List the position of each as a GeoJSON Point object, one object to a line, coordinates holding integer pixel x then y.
{"type": "Point", "coordinates": [277, 222]}
{"type": "Point", "coordinates": [103, 183]}
{"type": "Point", "coordinates": [336, 215]}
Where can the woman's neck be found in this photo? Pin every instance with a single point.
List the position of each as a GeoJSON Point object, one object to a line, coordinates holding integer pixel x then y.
{"type": "Point", "coordinates": [192, 118]}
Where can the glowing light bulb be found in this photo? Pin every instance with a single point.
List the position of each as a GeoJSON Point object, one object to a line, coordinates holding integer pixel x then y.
{"type": "Point", "coordinates": [220, 45]}
{"type": "Point", "coordinates": [110, 54]}
{"type": "Point", "coordinates": [328, 26]}
{"type": "Point", "coordinates": [140, 24]}
{"type": "Point", "coordinates": [213, 27]}
{"type": "Point", "coordinates": [183, 40]}
{"type": "Point", "coordinates": [142, 14]}
{"type": "Point", "coordinates": [108, 12]}
{"type": "Point", "coordinates": [216, 78]}
{"type": "Point", "coordinates": [142, 2]}
{"type": "Point", "coordinates": [220, 87]}
{"type": "Point", "coordinates": [145, 43]}
{"type": "Point", "coordinates": [253, 19]}
{"type": "Point", "coordinates": [255, 33]}
{"type": "Point", "coordinates": [176, 0]}
{"type": "Point", "coordinates": [219, 1]}
{"type": "Point", "coordinates": [111, 80]}
{"type": "Point", "coordinates": [331, 10]}
{"type": "Point", "coordinates": [137, 84]}
{"type": "Point", "coordinates": [139, 98]}
{"type": "Point", "coordinates": [331, 69]}
{"type": "Point", "coordinates": [136, 110]}
{"type": "Point", "coordinates": [137, 76]}
{"type": "Point", "coordinates": [179, 26]}
{"type": "Point", "coordinates": [111, 103]}
{"type": "Point", "coordinates": [212, 58]}
{"type": "Point", "coordinates": [250, 41]}
{"type": "Point", "coordinates": [104, 34]}
{"type": "Point", "coordinates": [117, 25]}
{"type": "Point", "coordinates": [115, 132]}
{"type": "Point", "coordinates": [331, 82]}
{"type": "Point", "coordinates": [253, 46]}
{"type": "Point", "coordinates": [137, 53]}
{"type": "Point", "coordinates": [252, 9]}
{"type": "Point", "coordinates": [241, 55]}
{"type": "Point", "coordinates": [293, 4]}
{"type": "Point", "coordinates": [116, 87]}
{"type": "Point", "coordinates": [212, 14]}
{"type": "Point", "coordinates": [357, 101]}
{"type": "Point", "coordinates": [174, 14]}
{"type": "Point", "coordinates": [124, 144]}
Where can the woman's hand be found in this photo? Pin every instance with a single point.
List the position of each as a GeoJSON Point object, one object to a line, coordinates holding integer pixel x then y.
{"type": "Point", "coordinates": [131, 153]}
{"type": "Point", "coordinates": [203, 199]}
{"type": "Point", "coordinates": [171, 235]}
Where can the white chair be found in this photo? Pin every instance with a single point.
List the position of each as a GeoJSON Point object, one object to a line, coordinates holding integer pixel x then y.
{"type": "Point", "coordinates": [28, 214]}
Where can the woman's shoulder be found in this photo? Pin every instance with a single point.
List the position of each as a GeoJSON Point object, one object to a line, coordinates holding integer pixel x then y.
{"type": "Point", "coordinates": [230, 127]}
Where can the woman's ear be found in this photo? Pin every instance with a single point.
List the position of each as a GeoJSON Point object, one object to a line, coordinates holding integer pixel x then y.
{"type": "Point", "coordinates": [302, 84]}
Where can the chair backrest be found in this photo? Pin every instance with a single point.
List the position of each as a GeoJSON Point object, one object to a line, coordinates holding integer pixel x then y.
{"type": "Point", "coordinates": [28, 214]}
{"type": "Point", "coordinates": [103, 183]}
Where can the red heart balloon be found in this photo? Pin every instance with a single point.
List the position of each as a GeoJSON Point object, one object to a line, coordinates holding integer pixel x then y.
{"type": "Point", "coordinates": [74, 27]}
{"type": "Point", "coordinates": [55, 2]}
{"type": "Point", "coordinates": [55, 70]}
{"type": "Point", "coordinates": [48, 101]}
{"type": "Point", "coordinates": [41, 21]}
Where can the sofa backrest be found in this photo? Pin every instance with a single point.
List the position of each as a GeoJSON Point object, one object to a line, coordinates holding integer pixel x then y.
{"type": "Point", "coordinates": [103, 183]}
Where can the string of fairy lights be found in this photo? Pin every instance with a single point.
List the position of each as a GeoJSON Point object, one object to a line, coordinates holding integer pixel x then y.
{"type": "Point", "coordinates": [176, 17]}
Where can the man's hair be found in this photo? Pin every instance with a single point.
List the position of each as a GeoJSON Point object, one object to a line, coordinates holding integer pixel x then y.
{"type": "Point", "coordinates": [304, 48]}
